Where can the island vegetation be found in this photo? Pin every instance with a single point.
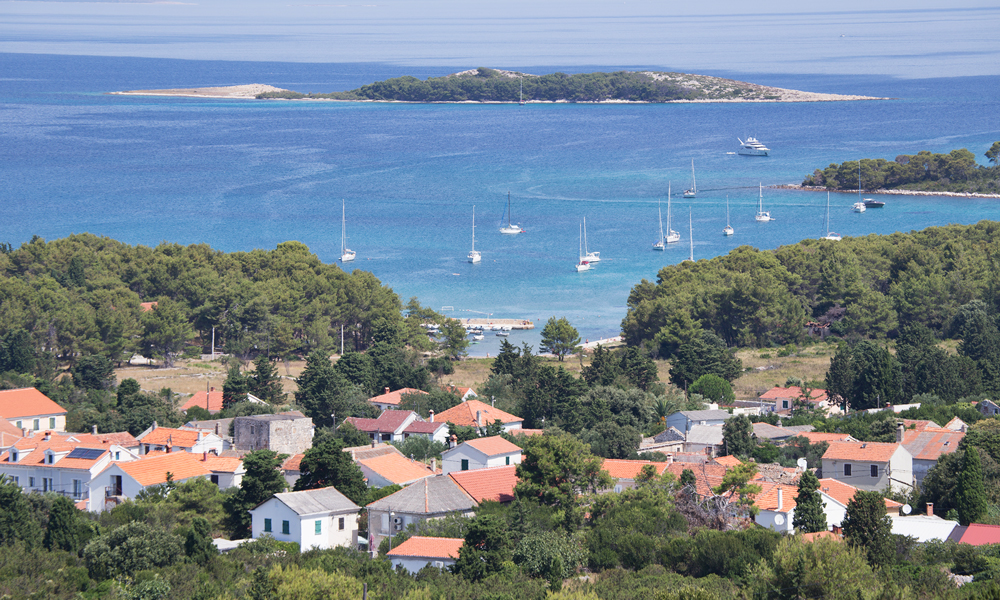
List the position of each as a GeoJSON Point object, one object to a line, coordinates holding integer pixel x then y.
{"type": "Point", "coordinates": [492, 85]}
{"type": "Point", "coordinates": [955, 172]}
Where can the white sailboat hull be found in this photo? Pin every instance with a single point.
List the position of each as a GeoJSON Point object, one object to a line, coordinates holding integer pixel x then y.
{"type": "Point", "coordinates": [348, 256]}
{"type": "Point", "coordinates": [728, 231]}
{"type": "Point", "coordinates": [475, 257]}
{"type": "Point", "coordinates": [672, 237]}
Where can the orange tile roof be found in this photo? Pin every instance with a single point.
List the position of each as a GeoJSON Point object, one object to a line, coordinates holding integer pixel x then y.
{"type": "Point", "coordinates": [523, 431]}
{"type": "Point", "coordinates": [123, 438]}
{"type": "Point", "coordinates": [428, 547]}
{"type": "Point", "coordinates": [706, 475]}
{"type": "Point", "coordinates": [394, 398]}
{"type": "Point", "coordinates": [728, 461]}
{"type": "Point", "coordinates": [978, 534]}
{"type": "Point", "coordinates": [396, 468]}
{"type": "Point", "coordinates": [792, 392]}
{"type": "Point", "coordinates": [860, 451]}
{"type": "Point", "coordinates": [178, 438]}
{"type": "Point", "coordinates": [919, 425]}
{"type": "Point", "coordinates": [495, 484]}
{"type": "Point", "coordinates": [493, 445]}
{"type": "Point", "coordinates": [292, 463]}
{"type": "Point", "coordinates": [38, 445]}
{"type": "Point", "coordinates": [223, 465]}
{"type": "Point", "coordinates": [212, 404]}
{"type": "Point", "coordinates": [465, 414]}
{"type": "Point", "coordinates": [767, 499]}
{"type": "Point", "coordinates": [152, 470]}
{"type": "Point", "coordinates": [931, 443]}
{"type": "Point", "coordinates": [629, 469]}
{"type": "Point", "coordinates": [27, 402]}
{"type": "Point", "coordinates": [812, 537]}
{"type": "Point", "coordinates": [816, 437]}
{"type": "Point", "coordinates": [843, 493]}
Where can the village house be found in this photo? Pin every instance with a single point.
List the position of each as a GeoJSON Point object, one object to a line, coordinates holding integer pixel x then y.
{"type": "Point", "coordinates": [474, 413]}
{"type": "Point", "coordinates": [927, 445]}
{"type": "Point", "coordinates": [399, 425]}
{"type": "Point", "coordinates": [683, 420]}
{"type": "Point", "coordinates": [8, 434]}
{"type": "Point", "coordinates": [392, 468]}
{"type": "Point", "coordinates": [869, 465]}
{"type": "Point", "coordinates": [284, 433]}
{"type": "Point", "coordinates": [226, 471]}
{"type": "Point", "coordinates": [463, 393]}
{"type": "Point", "coordinates": [27, 408]}
{"type": "Point", "coordinates": [625, 472]}
{"type": "Point", "coordinates": [776, 506]}
{"type": "Point", "coordinates": [784, 399]}
{"type": "Point", "coordinates": [418, 552]}
{"type": "Point", "coordinates": [495, 484]}
{"type": "Point", "coordinates": [925, 528]}
{"type": "Point", "coordinates": [124, 480]}
{"type": "Point", "coordinates": [431, 498]}
{"type": "Point", "coordinates": [170, 439]}
{"type": "Point", "coordinates": [835, 496]}
{"type": "Point", "coordinates": [322, 518]}
{"type": "Point", "coordinates": [480, 453]}
{"type": "Point", "coordinates": [777, 434]}
{"type": "Point", "coordinates": [291, 469]}
{"type": "Point", "coordinates": [210, 400]}
{"type": "Point", "coordinates": [976, 534]}
{"type": "Point", "coordinates": [390, 400]}
{"type": "Point", "coordinates": [987, 408]}
{"type": "Point", "coordinates": [704, 438]}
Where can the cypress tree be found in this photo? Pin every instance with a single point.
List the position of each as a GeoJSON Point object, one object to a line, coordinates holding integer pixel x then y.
{"type": "Point", "coordinates": [971, 493]}
{"type": "Point", "coordinates": [866, 526]}
{"type": "Point", "coordinates": [265, 383]}
{"type": "Point", "coordinates": [809, 515]}
{"type": "Point", "coordinates": [235, 388]}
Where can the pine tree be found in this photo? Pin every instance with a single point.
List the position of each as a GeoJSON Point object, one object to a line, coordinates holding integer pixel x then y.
{"type": "Point", "coordinates": [327, 464]}
{"type": "Point", "coordinates": [809, 515]}
{"type": "Point", "coordinates": [970, 497]}
{"type": "Point", "coordinates": [737, 436]}
{"type": "Point", "coordinates": [235, 388]}
{"type": "Point", "coordinates": [265, 383]}
{"type": "Point", "coordinates": [63, 531]}
{"type": "Point", "coordinates": [262, 480]}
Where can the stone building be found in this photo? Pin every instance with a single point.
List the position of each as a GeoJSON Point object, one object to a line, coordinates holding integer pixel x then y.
{"type": "Point", "coordinates": [286, 433]}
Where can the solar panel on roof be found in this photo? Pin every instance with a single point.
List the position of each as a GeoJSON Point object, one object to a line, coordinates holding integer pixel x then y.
{"type": "Point", "coordinates": [86, 453]}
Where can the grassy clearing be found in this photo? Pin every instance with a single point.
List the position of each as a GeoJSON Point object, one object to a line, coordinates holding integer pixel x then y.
{"type": "Point", "coordinates": [809, 363]}
{"type": "Point", "coordinates": [190, 376]}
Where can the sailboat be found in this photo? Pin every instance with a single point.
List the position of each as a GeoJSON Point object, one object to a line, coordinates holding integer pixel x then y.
{"type": "Point", "coordinates": [729, 229]}
{"type": "Point", "coordinates": [474, 256]}
{"type": "Point", "coordinates": [510, 229]}
{"type": "Point", "coordinates": [762, 215]}
{"type": "Point", "coordinates": [672, 236]}
{"type": "Point", "coordinates": [860, 206]}
{"type": "Point", "coordinates": [691, 235]}
{"type": "Point", "coordinates": [346, 254]}
{"type": "Point", "coordinates": [584, 264]}
{"type": "Point", "coordinates": [593, 257]}
{"type": "Point", "coordinates": [833, 237]}
{"type": "Point", "coordinates": [659, 245]}
{"type": "Point", "coordinates": [691, 193]}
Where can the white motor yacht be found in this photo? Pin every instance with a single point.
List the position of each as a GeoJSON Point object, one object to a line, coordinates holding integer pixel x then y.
{"type": "Point", "coordinates": [753, 147]}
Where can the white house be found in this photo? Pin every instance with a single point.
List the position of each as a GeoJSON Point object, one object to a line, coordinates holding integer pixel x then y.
{"type": "Point", "coordinates": [322, 519]}
{"type": "Point", "coordinates": [418, 552]}
{"type": "Point", "coordinates": [835, 496]}
{"type": "Point", "coordinates": [398, 425]}
{"type": "Point", "coordinates": [124, 480]}
{"type": "Point", "coordinates": [683, 420]}
{"type": "Point", "coordinates": [776, 504]}
{"type": "Point", "coordinates": [869, 465]}
{"type": "Point", "coordinates": [391, 400]}
{"type": "Point", "coordinates": [27, 408]}
{"type": "Point", "coordinates": [925, 528]}
{"type": "Point", "coordinates": [431, 498]}
{"type": "Point", "coordinates": [473, 413]}
{"type": "Point", "coordinates": [480, 453]}
{"type": "Point", "coordinates": [227, 472]}
{"type": "Point", "coordinates": [169, 439]}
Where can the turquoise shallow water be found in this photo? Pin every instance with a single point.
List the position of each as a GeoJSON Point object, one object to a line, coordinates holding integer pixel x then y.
{"type": "Point", "coordinates": [246, 174]}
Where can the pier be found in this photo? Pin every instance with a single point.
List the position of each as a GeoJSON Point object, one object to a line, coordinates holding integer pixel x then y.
{"type": "Point", "coordinates": [487, 322]}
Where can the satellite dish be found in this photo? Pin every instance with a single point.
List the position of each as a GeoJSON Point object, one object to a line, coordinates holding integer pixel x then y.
{"type": "Point", "coordinates": [779, 519]}
{"type": "Point", "coordinates": [906, 509]}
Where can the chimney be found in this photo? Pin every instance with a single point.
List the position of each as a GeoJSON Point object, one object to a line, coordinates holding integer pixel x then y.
{"type": "Point", "coordinates": [434, 465]}
{"type": "Point", "coordinates": [48, 436]}
{"type": "Point", "coordinates": [670, 459]}
{"type": "Point", "coordinates": [779, 498]}
{"type": "Point", "coordinates": [900, 428]}
{"type": "Point", "coordinates": [155, 425]}
{"type": "Point", "coordinates": [453, 441]}
{"type": "Point", "coordinates": [24, 432]}
{"type": "Point", "coordinates": [479, 418]}
{"type": "Point", "coordinates": [204, 456]}
{"type": "Point", "coordinates": [386, 390]}
{"type": "Point", "coordinates": [432, 415]}
{"type": "Point", "coordinates": [930, 509]}
{"type": "Point", "coordinates": [888, 406]}
{"type": "Point", "coordinates": [836, 529]}
{"type": "Point", "coordinates": [217, 428]}
{"type": "Point", "coordinates": [211, 389]}
{"type": "Point", "coordinates": [201, 435]}
{"type": "Point", "coordinates": [93, 429]}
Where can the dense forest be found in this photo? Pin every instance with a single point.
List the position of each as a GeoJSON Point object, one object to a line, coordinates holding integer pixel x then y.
{"type": "Point", "coordinates": [489, 85]}
{"type": "Point", "coordinates": [956, 172]}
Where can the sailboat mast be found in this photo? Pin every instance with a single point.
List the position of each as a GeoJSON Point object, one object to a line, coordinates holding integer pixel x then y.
{"type": "Point", "coordinates": [473, 227]}
{"type": "Point", "coordinates": [508, 208]}
{"type": "Point", "coordinates": [694, 182]}
{"type": "Point", "coordinates": [586, 249]}
{"type": "Point", "coordinates": [727, 210]}
{"type": "Point", "coordinates": [668, 208]}
{"type": "Point", "coordinates": [760, 197]}
{"type": "Point", "coordinates": [659, 213]}
{"type": "Point", "coordinates": [343, 226]}
{"type": "Point", "coordinates": [581, 242]}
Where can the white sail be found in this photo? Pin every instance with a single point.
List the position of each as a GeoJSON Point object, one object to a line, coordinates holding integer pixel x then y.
{"type": "Point", "coordinates": [693, 192]}
{"type": "Point", "coordinates": [672, 236]}
{"type": "Point", "coordinates": [510, 229]}
{"type": "Point", "coordinates": [762, 215]}
{"type": "Point", "coordinates": [346, 254]}
{"type": "Point", "coordinates": [588, 255]}
{"type": "Point", "coordinates": [474, 256]}
{"type": "Point", "coordinates": [729, 228]}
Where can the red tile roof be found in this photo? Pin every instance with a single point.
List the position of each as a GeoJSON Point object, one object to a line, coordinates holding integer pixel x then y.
{"type": "Point", "coordinates": [465, 414]}
{"type": "Point", "coordinates": [843, 493]}
{"type": "Point", "coordinates": [212, 404]}
{"type": "Point", "coordinates": [292, 463]}
{"type": "Point", "coordinates": [860, 451]}
{"type": "Point", "coordinates": [396, 468]}
{"type": "Point", "coordinates": [816, 437]}
{"type": "Point", "coordinates": [812, 537]}
{"type": "Point", "coordinates": [629, 469]}
{"type": "Point", "coordinates": [767, 499]}
{"type": "Point", "coordinates": [387, 422]}
{"type": "Point", "coordinates": [122, 438]}
{"type": "Point", "coordinates": [394, 398]}
{"type": "Point", "coordinates": [428, 547]}
{"type": "Point", "coordinates": [930, 443]}
{"type": "Point", "coordinates": [424, 427]}
{"type": "Point", "coordinates": [153, 470]}
{"type": "Point", "coordinates": [918, 425]}
{"type": "Point", "coordinates": [523, 431]}
{"type": "Point", "coordinates": [38, 445]}
{"type": "Point", "coordinates": [978, 534]}
{"type": "Point", "coordinates": [495, 484]}
{"type": "Point", "coordinates": [148, 306]}
{"type": "Point", "coordinates": [706, 475]}
{"type": "Point", "coordinates": [223, 465]}
{"type": "Point", "coordinates": [27, 402]}
{"type": "Point", "coordinates": [178, 438]}
{"type": "Point", "coordinates": [728, 461]}
{"type": "Point", "coordinates": [493, 445]}
{"type": "Point", "coordinates": [791, 393]}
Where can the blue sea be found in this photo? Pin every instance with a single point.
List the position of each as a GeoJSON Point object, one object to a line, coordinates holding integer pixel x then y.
{"type": "Point", "coordinates": [240, 174]}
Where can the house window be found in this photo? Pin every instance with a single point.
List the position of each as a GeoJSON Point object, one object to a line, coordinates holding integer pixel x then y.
{"type": "Point", "coordinates": [874, 470]}
{"type": "Point", "coordinates": [285, 529]}
{"type": "Point", "coordinates": [215, 479]}
{"type": "Point", "coordinates": [77, 488]}
{"type": "Point", "coordinates": [784, 404]}
{"type": "Point", "coordinates": [31, 482]}
{"type": "Point", "coordinates": [50, 458]}
{"type": "Point", "coordinates": [340, 523]}
{"type": "Point", "coordinates": [251, 430]}
{"type": "Point", "coordinates": [35, 423]}
{"type": "Point", "coordinates": [319, 527]}
{"type": "Point", "coordinates": [847, 469]}
{"type": "Point", "coordinates": [465, 464]}
{"type": "Point", "coordinates": [47, 485]}
{"type": "Point", "coordinates": [20, 425]}
{"type": "Point", "coordinates": [52, 422]}
{"type": "Point", "coordinates": [508, 460]}
{"type": "Point", "coordinates": [13, 456]}
{"type": "Point", "coordinates": [17, 480]}
{"type": "Point", "coordinates": [386, 437]}
{"type": "Point", "coordinates": [118, 455]}
{"type": "Point", "coordinates": [267, 525]}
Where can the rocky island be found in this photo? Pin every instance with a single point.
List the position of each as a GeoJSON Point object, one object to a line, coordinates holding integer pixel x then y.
{"type": "Point", "coordinates": [484, 85]}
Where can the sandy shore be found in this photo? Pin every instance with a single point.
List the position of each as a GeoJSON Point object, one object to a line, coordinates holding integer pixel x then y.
{"type": "Point", "coordinates": [233, 91]}
{"type": "Point", "coordinates": [805, 188]}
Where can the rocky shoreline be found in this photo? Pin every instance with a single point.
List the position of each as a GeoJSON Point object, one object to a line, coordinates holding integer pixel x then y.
{"type": "Point", "coordinates": [808, 188]}
{"type": "Point", "coordinates": [251, 90]}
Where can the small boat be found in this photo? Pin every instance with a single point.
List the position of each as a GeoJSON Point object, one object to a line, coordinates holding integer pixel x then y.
{"type": "Point", "coordinates": [593, 257]}
{"type": "Point", "coordinates": [833, 237]}
{"type": "Point", "coordinates": [346, 254]}
{"type": "Point", "coordinates": [503, 333]}
{"type": "Point", "coordinates": [672, 236]}
{"type": "Point", "coordinates": [474, 256]}
{"type": "Point", "coordinates": [729, 229]}
{"type": "Point", "coordinates": [863, 203]}
{"type": "Point", "coordinates": [510, 229]}
{"type": "Point", "coordinates": [762, 215]}
{"type": "Point", "coordinates": [859, 207]}
{"type": "Point", "coordinates": [478, 337]}
{"type": "Point", "coordinates": [693, 192]}
{"type": "Point", "coordinates": [659, 245]}
{"type": "Point", "coordinates": [584, 264]}
{"type": "Point", "coordinates": [870, 203]}
{"type": "Point", "coordinates": [753, 147]}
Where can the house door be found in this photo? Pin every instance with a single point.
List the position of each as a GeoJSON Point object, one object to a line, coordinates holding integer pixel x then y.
{"type": "Point", "coordinates": [116, 485]}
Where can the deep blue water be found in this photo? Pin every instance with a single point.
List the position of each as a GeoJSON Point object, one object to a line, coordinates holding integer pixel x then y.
{"type": "Point", "coordinates": [248, 174]}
